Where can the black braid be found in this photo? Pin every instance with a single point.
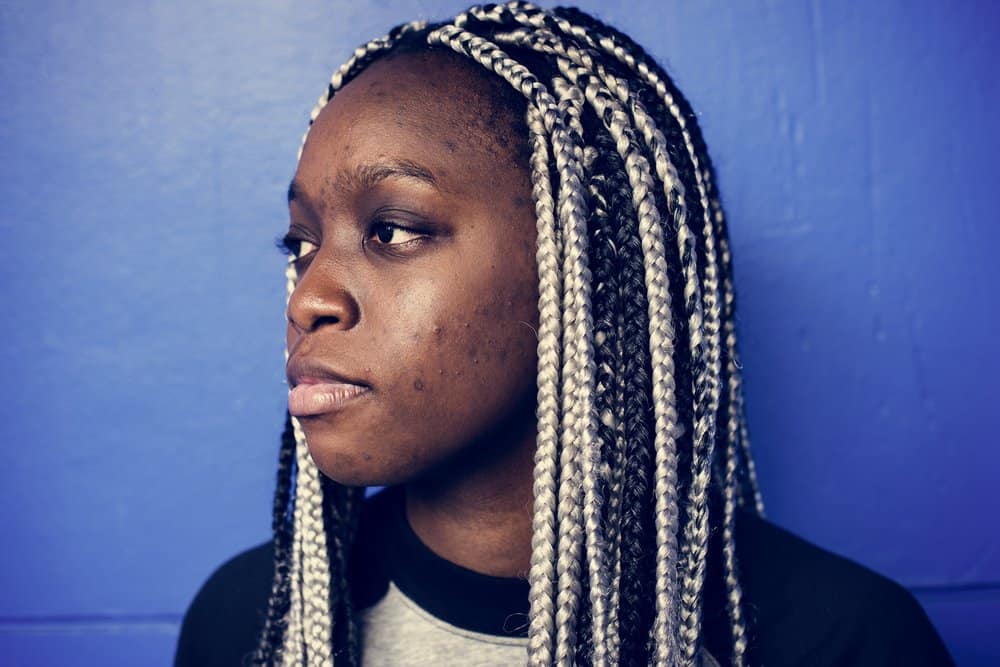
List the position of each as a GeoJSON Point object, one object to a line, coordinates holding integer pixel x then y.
{"type": "Point", "coordinates": [278, 601]}
{"type": "Point", "coordinates": [637, 533]}
{"type": "Point", "coordinates": [606, 313]}
{"type": "Point", "coordinates": [682, 161]}
{"type": "Point", "coordinates": [342, 508]}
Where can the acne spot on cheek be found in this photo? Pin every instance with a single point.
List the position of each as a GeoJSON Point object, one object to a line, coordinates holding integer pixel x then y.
{"type": "Point", "coordinates": [418, 384]}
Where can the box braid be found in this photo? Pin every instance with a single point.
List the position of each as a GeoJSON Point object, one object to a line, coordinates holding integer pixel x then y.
{"type": "Point", "coordinates": [628, 223]}
{"type": "Point", "coordinates": [624, 49]}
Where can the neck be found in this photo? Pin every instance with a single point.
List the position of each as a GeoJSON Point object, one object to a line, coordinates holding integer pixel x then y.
{"type": "Point", "coordinates": [479, 515]}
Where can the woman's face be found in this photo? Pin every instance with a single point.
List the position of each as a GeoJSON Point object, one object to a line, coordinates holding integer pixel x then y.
{"type": "Point", "coordinates": [415, 227]}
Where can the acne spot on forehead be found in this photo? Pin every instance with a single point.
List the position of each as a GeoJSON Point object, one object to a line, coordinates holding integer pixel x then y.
{"type": "Point", "coordinates": [418, 384]}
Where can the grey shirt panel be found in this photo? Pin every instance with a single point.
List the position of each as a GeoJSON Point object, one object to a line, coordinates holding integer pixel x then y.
{"type": "Point", "coordinates": [398, 633]}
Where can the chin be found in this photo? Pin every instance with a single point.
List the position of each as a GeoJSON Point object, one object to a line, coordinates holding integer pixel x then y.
{"type": "Point", "coordinates": [353, 467]}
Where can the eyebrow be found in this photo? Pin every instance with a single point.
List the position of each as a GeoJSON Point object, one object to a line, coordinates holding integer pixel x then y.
{"type": "Point", "coordinates": [367, 176]}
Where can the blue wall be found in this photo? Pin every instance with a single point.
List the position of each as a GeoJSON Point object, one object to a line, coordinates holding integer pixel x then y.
{"type": "Point", "coordinates": [144, 152]}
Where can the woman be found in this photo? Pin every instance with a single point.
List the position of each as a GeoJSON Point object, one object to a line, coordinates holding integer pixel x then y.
{"type": "Point", "coordinates": [511, 301]}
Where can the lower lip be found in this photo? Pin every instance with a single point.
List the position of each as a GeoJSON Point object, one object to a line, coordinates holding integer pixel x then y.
{"type": "Point", "coordinates": [306, 400]}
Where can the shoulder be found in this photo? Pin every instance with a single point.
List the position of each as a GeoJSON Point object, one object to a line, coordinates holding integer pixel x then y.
{"type": "Point", "coordinates": [225, 619]}
{"type": "Point", "coordinates": [810, 606]}
{"type": "Point", "coordinates": [223, 622]}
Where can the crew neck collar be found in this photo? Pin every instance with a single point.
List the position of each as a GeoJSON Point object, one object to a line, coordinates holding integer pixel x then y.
{"type": "Point", "coordinates": [455, 594]}
{"type": "Point", "coordinates": [388, 549]}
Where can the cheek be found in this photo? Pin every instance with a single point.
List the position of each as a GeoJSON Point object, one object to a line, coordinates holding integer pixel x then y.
{"type": "Point", "coordinates": [455, 356]}
{"type": "Point", "coordinates": [467, 364]}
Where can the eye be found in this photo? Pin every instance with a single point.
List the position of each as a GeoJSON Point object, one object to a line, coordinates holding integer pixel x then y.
{"type": "Point", "coordinates": [295, 248]}
{"type": "Point", "coordinates": [305, 248]}
{"type": "Point", "coordinates": [389, 234]}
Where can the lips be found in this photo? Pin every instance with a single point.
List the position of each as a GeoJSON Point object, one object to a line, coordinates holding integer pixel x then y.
{"type": "Point", "coordinates": [307, 400]}
{"type": "Point", "coordinates": [317, 389]}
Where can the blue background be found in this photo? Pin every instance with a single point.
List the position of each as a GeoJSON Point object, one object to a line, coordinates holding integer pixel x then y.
{"type": "Point", "coordinates": [145, 149]}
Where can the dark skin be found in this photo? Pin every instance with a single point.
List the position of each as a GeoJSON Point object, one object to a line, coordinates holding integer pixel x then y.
{"type": "Point", "coordinates": [415, 224]}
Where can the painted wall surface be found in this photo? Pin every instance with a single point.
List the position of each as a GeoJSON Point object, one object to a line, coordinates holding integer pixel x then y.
{"type": "Point", "coordinates": [145, 149]}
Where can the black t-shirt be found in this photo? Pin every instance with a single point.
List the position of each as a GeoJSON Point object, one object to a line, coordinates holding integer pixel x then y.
{"type": "Point", "coordinates": [804, 605]}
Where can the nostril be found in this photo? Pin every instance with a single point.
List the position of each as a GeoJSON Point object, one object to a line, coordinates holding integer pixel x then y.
{"type": "Point", "coordinates": [325, 319]}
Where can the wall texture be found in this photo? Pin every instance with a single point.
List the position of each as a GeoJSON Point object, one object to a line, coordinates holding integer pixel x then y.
{"type": "Point", "coordinates": [144, 152]}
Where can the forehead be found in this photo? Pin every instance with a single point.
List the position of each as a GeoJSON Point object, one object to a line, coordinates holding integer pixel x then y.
{"type": "Point", "coordinates": [428, 108]}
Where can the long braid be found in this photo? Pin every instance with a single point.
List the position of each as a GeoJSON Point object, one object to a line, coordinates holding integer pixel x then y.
{"type": "Point", "coordinates": [649, 225]}
{"type": "Point", "coordinates": [308, 633]}
{"type": "Point", "coordinates": [599, 97]}
{"type": "Point", "coordinates": [607, 303]}
{"type": "Point", "coordinates": [315, 570]}
{"type": "Point", "coordinates": [700, 468]}
{"type": "Point", "coordinates": [734, 377]}
{"type": "Point", "coordinates": [277, 603]}
{"type": "Point", "coordinates": [627, 51]}
{"type": "Point", "coordinates": [706, 384]}
{"type": "Point", "coordinates": [614, 186]}
{"type": "Point", "coordinates": [705, 361]}
{"type": "Point", "coordinates": [636, 606]}
{"type": "Point", "coordinates": [336, 508]}
{"type": "Point", "coordinates": [591, 455]}
{"type": "Point", "coordinates": [542, 575]}
{"type": "Point", "coordinates": [638, 172]}
{"type": "Point", "coordinates": [736, 440]}
{"type": "Point", "coordinates": [577, 411]}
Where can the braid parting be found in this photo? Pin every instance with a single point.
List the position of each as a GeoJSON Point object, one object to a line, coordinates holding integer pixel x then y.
{"type": "Point", "coordinates": [361, 58]}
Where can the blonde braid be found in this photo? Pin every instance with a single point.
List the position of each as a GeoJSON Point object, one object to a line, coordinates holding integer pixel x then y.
{"type": "Point", "coordinates": [542, 576]}
{"type": "Point", "coordinates": [736, 434]}
{"type": "Point", "coordinates": [589, 450]}
{"type": "Point", "coordinates": [696, 531]}
{"type": "Point", "coordinates": [661, 335]}
{"type": "Point", "coordinates": [571, 209]}
{"type": "Point", "coordinates": [734, 378]}
{"type": "Point", "coordinates": [315, 565]}
{"type": "Point", "coordinates": [308, 634]}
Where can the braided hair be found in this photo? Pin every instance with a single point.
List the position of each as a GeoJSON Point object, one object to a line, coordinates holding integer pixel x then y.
{"type": "Point", "coordinates": [641, 424]}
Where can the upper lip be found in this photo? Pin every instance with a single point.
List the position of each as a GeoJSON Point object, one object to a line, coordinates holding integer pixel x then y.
{"type": "Point", "coordinates": [309, 370]}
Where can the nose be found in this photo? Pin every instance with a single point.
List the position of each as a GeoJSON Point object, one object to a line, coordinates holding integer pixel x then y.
{"type": "Point", "coordinates": [321, 299]}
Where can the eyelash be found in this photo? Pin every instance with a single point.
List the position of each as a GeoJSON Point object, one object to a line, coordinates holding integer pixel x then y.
{"type": "Point", "coordinates": [291, 245]}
